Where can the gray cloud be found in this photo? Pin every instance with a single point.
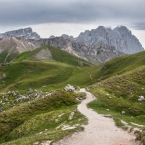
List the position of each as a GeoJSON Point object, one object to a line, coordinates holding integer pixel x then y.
{"type": "Point", "coordinates": [22, 12]}
{"type": "Point", "coordinates": [139, 26]}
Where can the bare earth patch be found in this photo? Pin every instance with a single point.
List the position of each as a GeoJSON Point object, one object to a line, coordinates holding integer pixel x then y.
{"type": "Point", "coordinates": [99, 131]}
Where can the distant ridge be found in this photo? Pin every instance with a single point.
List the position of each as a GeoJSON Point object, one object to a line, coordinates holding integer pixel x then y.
{"type": "Point", "coordinates": [25, 33]}
{"type": "Point", "coordinates": [120, 37]}
{"type": "Point", "coordinates": [97, 46]}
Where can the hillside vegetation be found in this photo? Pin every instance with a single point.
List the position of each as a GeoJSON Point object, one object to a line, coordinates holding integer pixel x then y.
{"type": "Point", "coordinates": [117, 96]}
{"type": "Point", "coordinates": [28, 71]}
{"type": "Point", "coordinates": [45, 114]}
{"type": "Point", "coordinates": [45, 118]}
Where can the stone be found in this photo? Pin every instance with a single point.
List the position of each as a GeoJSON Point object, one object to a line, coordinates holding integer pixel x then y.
{"type": "Point", "coordinates": [69, 88]}
{"type": "Point", "coordinates": [29, 91]}
{"type": "Point", "coordinates": [141, 98]}
{"type": "Point", "coordinates": [4, 75]}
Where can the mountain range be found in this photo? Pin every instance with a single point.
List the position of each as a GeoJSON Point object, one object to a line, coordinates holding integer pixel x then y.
{"type": "Point", "coordinates": [120, 37]}
{"type": "Point", "coordinates": [97, 46]}
{"type": "Point", "coordinates": [26, 33]}
{"type": "Point", "coordinates": [35, 107]}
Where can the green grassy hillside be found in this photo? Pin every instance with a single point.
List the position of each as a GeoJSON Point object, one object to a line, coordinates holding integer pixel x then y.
{"type": "Point", "coordinates": [123, 64]}
{"type": "Point", "coordinates": [28, 71]}
{"type": "Point", "coordinates": [6, 57]}
{"type": "Point", "coordinates": [118, 95]}
{"type": "Point", "coordinates": [57, 54]}
{"type": "Point", "coordinates": [41, 119]}
{"type": "Point", "coordinates": [117, 84]}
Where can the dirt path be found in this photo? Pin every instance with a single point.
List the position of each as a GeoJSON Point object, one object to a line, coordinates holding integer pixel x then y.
{"type": "Point", "coordinates": [89, 74]}
{"type": "Point", "coordinates": [99, 131]}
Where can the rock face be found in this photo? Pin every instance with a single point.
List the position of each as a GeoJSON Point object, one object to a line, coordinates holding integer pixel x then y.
{"type": "Point", "coordinates": [18, 44]}
{"type": "Point", "coordinates": [120, 37]}
{"type": "Point", "coordinates": [68, 37]}
{"type": "Point", "coordinates": [95, 53]}
{"type": "Point", "coordinates": [98, 45]}
{"type": "Point", "coordinates": [44, 54]}
{"type": "Point", "coordinates": [10, 47]}
{"type": "Point", "coordinates": [26, 33]}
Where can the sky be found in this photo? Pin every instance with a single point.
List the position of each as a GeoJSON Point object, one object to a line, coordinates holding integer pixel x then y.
{"type": "Point", "coordinates": [57, 17]}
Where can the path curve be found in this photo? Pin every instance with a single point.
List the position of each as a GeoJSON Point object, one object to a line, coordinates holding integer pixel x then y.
{"type": "Point", "coordinates": [99, 131]}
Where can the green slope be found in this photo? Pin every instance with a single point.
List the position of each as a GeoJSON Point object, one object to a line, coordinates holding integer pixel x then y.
{"type": "Point", "coordinates": [123, 64]}
{"type": "Point", "coordinates": [27, 71]}
{"type": "Point", "coordinates": [6, 57]}
{"type": "Point", "coordinates": [117, 84]}
{"type": "Point", "coordinates": [123, 81]}
{"type": "Point", "coordinates": [41, 119]}
{"type": "Point", "coordinates": [57, 55]}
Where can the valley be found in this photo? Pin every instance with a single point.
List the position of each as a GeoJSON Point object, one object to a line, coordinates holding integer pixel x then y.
{"type": "Point", "coordinates": [36, 109]}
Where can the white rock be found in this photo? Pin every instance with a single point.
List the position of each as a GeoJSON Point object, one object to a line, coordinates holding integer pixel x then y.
{"type": "Point", "coordinates": [69, 88]}
{"type": "Point", "coordinates": [141, 98]}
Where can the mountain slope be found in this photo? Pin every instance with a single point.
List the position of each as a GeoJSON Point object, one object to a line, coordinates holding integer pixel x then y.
{"type": "Point", "coordinates": [119, 92]}
{"type": "Point", "coordinates": [120, 37]}
{"type": "Point", "coordinates": [48, 53]}
{"type": "Point", "coordinates": [117, 84]}
{"type": "Point", "coordinates": [10, 47]}
{"type": "Point", "coordinates": [94, 53]}
{"type": "Point", "coordinates": [30, 69]}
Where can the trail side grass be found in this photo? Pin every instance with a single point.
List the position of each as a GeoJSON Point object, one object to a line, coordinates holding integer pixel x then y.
{"type": "Point", "coordinates": [117, 97]}
{"type": "Point", "coordinates": [47, 118]}
{"type": "Point", "coordinates": [117, 84]}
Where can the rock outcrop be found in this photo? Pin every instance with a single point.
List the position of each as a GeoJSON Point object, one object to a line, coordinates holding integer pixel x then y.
{"type": "Point", "coordinates": [44, 54]}
{"type": "Point", "coordinates": [10, 47]}
{"type": "Point", "coordinates": [26, 33]}
{"type": "Point", "coordinates": [68, 37]}
{"type": "Point", "coordinates": [98, 45]}
{"type": "Point", "coordinates": [95, 53]}
{"type": "Point", "coordinates": [120, 37]}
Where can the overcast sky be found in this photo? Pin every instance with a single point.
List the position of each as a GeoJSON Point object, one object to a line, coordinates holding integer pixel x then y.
{"type": "Point", "coordinates": [56, 17]}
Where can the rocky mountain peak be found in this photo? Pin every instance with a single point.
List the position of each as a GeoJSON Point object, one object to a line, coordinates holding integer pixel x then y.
{"type": "Point", "coordinates": [120, 37]}
{"type": "Point", "coordinates": [25, 33]}
{"type": "Point", "coordinates": [68, 37]}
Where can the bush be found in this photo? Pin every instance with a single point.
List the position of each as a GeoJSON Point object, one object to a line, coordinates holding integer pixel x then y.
{"type": "Point", "coordinates": [80, 95]}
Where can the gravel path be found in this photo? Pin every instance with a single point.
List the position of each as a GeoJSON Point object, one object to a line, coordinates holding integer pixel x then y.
{"type": "Point", "coordinates": [99, 131]}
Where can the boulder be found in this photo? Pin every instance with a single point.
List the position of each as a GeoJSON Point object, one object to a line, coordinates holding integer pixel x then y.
{"type": "Point", "coordinates": [141, 98]}
{"type": "Point", "coordinates": [69, 88]}
{"type": "Point", "coordinates": [29, 91]}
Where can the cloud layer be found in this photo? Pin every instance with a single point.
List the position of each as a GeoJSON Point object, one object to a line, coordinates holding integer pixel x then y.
{"type": "Point", "coordinates": [22, 12]}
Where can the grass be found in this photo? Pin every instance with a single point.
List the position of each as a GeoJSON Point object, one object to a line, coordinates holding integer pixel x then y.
{"type": "Point", "coordinates": [5, 57]}
{"type": "Point", "coordinates": [118, 91]}
{"type": "Point", "coordinates": [123, 64]}
{"type": "Point", "coordinates": [26, 71]}
{"type": "Point", "coordinates": [35, 74]}
{"type": "Point", "coordinates": [58, 55]}
{"type": "Point", "coordinates": [118, 96]}
{"type": "Point", "coordinates": [40, 117]}
{"type": "Point", "coordinates": [117, 84]}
